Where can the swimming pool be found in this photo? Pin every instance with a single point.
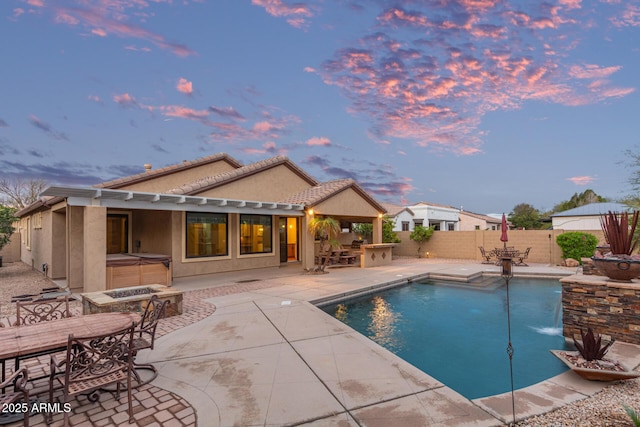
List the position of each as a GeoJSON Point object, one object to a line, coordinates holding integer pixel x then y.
{"type": "Point", "coordinates": [459, 336]}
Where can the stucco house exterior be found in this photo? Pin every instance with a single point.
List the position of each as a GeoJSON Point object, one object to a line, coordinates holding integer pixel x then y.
{"type": "Point", "coordinates": [469, 221]}
{"type": "Point", "coordinates": [585, 217]}
{"type": "Point", "coordinates": [204, 216]}
{"type": "Point", "coordinates": [401, 215]}
{"type": "Point", "coordinates": [441, 217]}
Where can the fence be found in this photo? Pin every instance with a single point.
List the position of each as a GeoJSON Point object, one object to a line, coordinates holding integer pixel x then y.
{"type": "Point", "coordinates": [464, 244]}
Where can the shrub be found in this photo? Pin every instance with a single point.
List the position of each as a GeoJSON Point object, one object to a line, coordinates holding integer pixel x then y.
{"type": "Point", "coordinates": [591, 347]}
{"type": "Point", "coordinates": [577, 245]}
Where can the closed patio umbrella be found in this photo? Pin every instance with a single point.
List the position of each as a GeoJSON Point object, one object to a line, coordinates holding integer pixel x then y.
{"type": "Point", "coordinates": [503, 237]}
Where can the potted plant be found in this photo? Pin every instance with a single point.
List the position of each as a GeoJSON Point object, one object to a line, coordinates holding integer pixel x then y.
{"type": "Point", "coordinates": [619, 233]}
{"type": "Point", "coordinates": [589, 361]}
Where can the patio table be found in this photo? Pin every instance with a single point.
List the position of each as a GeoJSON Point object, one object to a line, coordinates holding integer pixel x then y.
{"type": "Point", "coordinates": [21, 342]}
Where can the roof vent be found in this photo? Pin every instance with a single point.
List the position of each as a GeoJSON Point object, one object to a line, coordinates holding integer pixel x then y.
{"type": "Point", "coordinates": [147, 167]}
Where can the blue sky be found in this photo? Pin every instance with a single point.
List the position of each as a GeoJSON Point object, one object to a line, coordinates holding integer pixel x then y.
{"type": "Point", "coordinates": [482, 104]}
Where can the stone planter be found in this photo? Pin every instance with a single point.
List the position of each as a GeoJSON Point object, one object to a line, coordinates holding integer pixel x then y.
{"type": "Point", "coordinates": [618, 268]}
{"type": "Point", "coordinates": [595, 374]}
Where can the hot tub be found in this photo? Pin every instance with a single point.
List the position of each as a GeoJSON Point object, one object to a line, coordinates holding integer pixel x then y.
{"type": "Point", "coordinates": [125, 270]}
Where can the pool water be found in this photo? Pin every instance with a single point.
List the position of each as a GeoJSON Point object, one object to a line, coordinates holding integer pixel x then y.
{"type": "Point", "coordinates": [459, 335]}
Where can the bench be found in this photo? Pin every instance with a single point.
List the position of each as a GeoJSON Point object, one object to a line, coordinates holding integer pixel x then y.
{"type": "Point", "coordinates": [348, 259]}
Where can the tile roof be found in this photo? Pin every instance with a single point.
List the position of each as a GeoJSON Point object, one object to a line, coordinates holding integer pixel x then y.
{"type": "Point", "coordinates": [203, 184]}
{"type": "Point", "coordinates": [186, 164]}
{"type": "Point", "coordinates": [393, 210]}
{"type": "Point", "coordinates": [594, 209]}
{"type": "Point", "coordinates": [321, 192]}
{"type": "Point", "coordinates": [487, 218]}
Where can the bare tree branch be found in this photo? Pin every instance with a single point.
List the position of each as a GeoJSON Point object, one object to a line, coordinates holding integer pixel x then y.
{"type": "Point", "coordinates": [20, 193]}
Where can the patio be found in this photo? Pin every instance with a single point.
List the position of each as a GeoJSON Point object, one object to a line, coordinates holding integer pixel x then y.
{"type": "Point", "coordinates": [267, 356]}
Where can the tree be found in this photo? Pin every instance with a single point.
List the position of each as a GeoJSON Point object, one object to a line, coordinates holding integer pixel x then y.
{"type": "Point", "coordinates": [6, 227]}
{"type": "Point", "coordinates": [633, 161]}
{"type": "Point", "coordinates": [19, 192]}
{"type": "Point", "coordinates": [421, 234]}
{"type": "Point", "coordinates": [327, 229]}
{"type": "Point", "coordinates": [388, 235]}
{"type": "Point", "coordinates": [525, 216]}
{"type": "Point", "coordinates": [588, 196]}
{"type": "Point", "coordinates": [363, 229]}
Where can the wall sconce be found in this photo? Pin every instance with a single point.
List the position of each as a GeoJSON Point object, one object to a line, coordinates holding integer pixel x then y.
{"type": "Point", "coordinates": [379, 215]}
{"type": "Point", "coordinates": [310, 212]}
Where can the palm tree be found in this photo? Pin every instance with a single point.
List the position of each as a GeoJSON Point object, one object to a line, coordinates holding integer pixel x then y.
{"type": "Point", "coordinates": [327, 229]}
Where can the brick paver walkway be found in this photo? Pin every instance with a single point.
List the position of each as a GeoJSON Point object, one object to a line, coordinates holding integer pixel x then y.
{"type": "Point", "coordinates": [152, 406]}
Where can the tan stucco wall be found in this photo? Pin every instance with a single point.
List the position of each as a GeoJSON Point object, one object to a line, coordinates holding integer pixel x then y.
{"type": "Point", "coordinates": [164, 183]}
{"type": "Point", "coordinates": [464, 244]}
{"type": "Point", "coordinates": [153, 230]}
{"type": "Point", "coordinates": [183, 267]}
{"type": "Point", "coordinates": [75, 242]}
{"type": "Point", "coordinates": [346, 203]}
{"type": "Point", "coordinates": [94, 244]}
{"type": "Point", "coordinates": [11, 252]}
{"type": "Point", "coordinates": [39, 250]}
{"type": "Point", "coordinates": [57, 267]}
{"type": "Point", "coordinates": [269, 185]}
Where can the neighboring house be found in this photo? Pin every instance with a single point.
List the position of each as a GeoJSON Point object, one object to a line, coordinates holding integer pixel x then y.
{"type": "Point", "coordinates": [198, 217]}
{"type": "Point", "coordinates": [401, 215]}
{"type": "Point", "coordinates": [585, 217]}
{"type": "Point", "coordinates": [472, 221]}
{"type": "Point", "coordinates": [440, 217]}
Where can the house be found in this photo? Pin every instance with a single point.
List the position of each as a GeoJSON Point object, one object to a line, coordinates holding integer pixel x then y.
{"type": "Point", "coordinates": [469, 221]}
{"type": "Point", "coordinates": [402, 216]}
{"type": "Point", "coordinates": [440, 217]}
{"type": "Point", "coordinates": [586, 217]}
{"type": "Point", "coordinates": [197, 217]}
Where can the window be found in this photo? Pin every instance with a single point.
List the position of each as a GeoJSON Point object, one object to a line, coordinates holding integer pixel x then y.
{"type": "Point", "coordinates": [477, 227]}
{"type": "Point", "coordinates": [417, 222]}
{"type": "Point", "coordinates": [405, 225]}
{"type": "Point", "coordinates": [206, 234]}
{"type": "Point", "coordinates": [117, 233]}
{"type": "Point", "coordinates": [451, 227]}
{"type": "Point", "coordinates": [255, 234]}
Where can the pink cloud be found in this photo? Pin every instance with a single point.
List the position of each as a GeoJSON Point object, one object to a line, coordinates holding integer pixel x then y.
{"type": "Point", "coordinates": [428, 72]}
{"type": "Point", "coordinates": [582, 180]}
{"type": "Point", "coordinates": [124, 100]}
{"type": "Point", "coordinates": [181, 112]}
{"type": "Point", "coordinates": [184, 86]}
{"type": "Point", "coordinates": [630, 17]}
{"type": "Point", "coordinates": [592, 71]}
{"type": "Point", "coordinates": [295, 14]}
{"type": "Point", "coordinates": [110, 18]}
{"type": "Point", "coordinates": [319, 141]}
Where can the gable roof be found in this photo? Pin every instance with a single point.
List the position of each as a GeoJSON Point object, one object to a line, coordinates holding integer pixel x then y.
{"type": "Point", "coordinates": [154, 173]}
{"type": "Point", "coordinates": [321, 192]}
{"type": "Point", "coordinates": [395, 210]}
{"type": "Point", "coordinates": [486, 218]}
{"type": "Point", "coordinates": [207, 183]}
{"type": "Point", "coordinates": [434, 205]}
{"type": "Point", "coordinates": [594, 209]}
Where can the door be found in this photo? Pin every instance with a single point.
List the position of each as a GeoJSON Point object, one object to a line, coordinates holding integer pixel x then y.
{"type": "Point", "coordinates": [288, 239]}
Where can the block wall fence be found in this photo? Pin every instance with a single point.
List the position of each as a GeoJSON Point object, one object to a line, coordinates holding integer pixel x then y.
{"type": "Point", "coordinates": [464, 244]}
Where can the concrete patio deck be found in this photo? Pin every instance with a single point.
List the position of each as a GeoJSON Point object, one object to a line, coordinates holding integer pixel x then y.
{"type": "Point", "coordinates": [268, 357]}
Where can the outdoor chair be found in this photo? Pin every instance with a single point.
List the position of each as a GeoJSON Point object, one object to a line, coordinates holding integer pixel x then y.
{"type": "Point", "coordinates": [42, 310]}
{"type": "Point", "coordinates": [522, 256]}
{"type": "Point", "coordinates": [18, 394]}
{"type": "Point", "coordinates": [91, 364]}
{"type": "Point", "coordinates": [486, 255]}
{"type": "Point", "coordinates": [145, 335]}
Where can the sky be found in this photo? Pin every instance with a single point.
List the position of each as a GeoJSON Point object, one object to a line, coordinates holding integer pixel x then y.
{"type": "Point", "coordinates": [476, 104]}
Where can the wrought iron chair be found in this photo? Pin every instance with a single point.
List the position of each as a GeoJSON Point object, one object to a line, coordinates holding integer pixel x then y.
{"type": "Point", "coordinates": [145, 335]}
{"type": "Point", "coordinates": [91, 363]}
{"type": "Point", "coordinates": [486, 255]}
{"type": "Point", "coordinates": [19, 394]}
{"type": "Point", "coordinates": [42, 310]}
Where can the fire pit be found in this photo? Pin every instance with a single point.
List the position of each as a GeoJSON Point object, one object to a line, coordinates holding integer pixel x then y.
{"type": "Point", "coordinates": [134, 298]}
